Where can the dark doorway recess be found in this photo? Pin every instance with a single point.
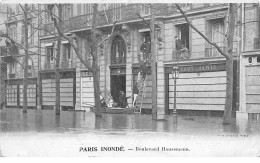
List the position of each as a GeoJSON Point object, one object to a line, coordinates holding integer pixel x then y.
{"type": "Point", "coordinates": [118, 83]}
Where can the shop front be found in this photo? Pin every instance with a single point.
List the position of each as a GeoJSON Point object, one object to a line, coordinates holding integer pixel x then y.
{"type": "Point", "coordinates": [200, 87]}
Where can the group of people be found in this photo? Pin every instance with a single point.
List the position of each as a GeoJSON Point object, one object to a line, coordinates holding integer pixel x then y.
{"type": "Point", "coordinates": [182, 50]}
{"type": "Point", "coordinates": [122, 102]}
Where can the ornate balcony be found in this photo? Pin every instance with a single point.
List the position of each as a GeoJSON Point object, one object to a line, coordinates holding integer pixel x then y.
{"type": "Point", "coordinates": [181, 54]}
{"type": "Point", "coordinates": [3, 51]}
{"type": "Point", "coordinates": [8, 52]}
{"type": "Point", "coordinates": [63, 65]}
{"type": "Point", "coordinates": [118, 60]}
{"type": "Point", "coordinates": [80, 22]}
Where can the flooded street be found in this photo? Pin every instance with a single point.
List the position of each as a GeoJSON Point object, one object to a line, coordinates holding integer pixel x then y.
{"type": "Point", "coordinates": [41, 133]}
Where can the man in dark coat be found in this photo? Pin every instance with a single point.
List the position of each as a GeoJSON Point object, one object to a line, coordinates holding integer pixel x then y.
{"type": "Point", "coordinates": [178, 44]}
{"type": "Point", "coordinates": [122, 100]}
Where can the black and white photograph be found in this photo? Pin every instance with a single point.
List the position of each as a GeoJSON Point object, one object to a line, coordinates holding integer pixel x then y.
{"type": "Point", "coordinates": [129, 79]}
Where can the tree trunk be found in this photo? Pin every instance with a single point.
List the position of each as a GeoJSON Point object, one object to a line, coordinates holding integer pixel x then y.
{"type": "Point", "coordinates": [95, 67]}
{"type": "Point", "coordinates": [228, 54]}
{"type": "Point", "coordinates": [25, 80]}
{"type": "Point", "coordinates": [229, 90]}
{"type": "Point", "coordinates": [153, 67]}
{"type": "Point", "coordinates": [1, 93]}
{"type": "Point", "coordinates": [98, 112]}
{"type": "Point", "coordinates": [229, 64]}
{"type": "Point", "coordinates": [57, 66]}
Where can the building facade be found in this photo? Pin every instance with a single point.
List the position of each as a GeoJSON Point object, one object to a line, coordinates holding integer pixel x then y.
{"type": "Point", "coordinates": [201, 84]}
{"type": "Point", "coordinates": [3, 8]}
{"type": "Point", "coordinates": [13, 56]}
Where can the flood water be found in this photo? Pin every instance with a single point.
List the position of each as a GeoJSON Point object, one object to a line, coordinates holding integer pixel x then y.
{"type": "Point", "coordinates": [20, 132]}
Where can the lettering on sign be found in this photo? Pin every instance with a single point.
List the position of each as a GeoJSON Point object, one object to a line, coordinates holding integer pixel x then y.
{"type": "Point", "coordinates": [201, 68]}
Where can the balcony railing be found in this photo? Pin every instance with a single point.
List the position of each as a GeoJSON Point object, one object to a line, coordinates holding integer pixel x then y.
{"type": "Point", "coordinates": [181, 54]}
{"type": "Point", "coordinates": [118, 60]}
{"type": "Point", "coordinates": [49, 66]}
{"type": "Point", "coordinates": [66, 64]}
{"type": "Point", "coordinates": [9, 50]}
{"type": "Point", "coordinates": [257, 43]}
{"type": "Point", "coordinates": [80, 22]}
{"type": "Point", "coordinates": [213, 52]}
{"type": "Point", "coordinates": [3, 51]}
{"type": "Point", "coordinates": [63, 65]}
{"type": "Point", "coordinates": [118, 12]}
{"type": "Point", "coordinates": [11, 76]}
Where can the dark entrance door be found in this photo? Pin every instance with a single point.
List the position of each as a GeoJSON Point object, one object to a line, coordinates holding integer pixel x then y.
{"type": "Point", "coordinates": [118, 83]}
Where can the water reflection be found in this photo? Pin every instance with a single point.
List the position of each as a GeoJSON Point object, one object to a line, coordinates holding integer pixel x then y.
{"type": "Point", "coordinates": [13, 120]}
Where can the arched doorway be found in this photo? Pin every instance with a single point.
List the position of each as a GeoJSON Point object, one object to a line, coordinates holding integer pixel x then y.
{"type": "Point", "coordinates": [118, 67]}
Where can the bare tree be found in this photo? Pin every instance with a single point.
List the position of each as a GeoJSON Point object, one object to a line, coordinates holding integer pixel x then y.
{"type": "Point", "coordinates": [227, 53]}
{"type": "Point", "coordinates": [58, 23]}
{"type": "Point", "coordinates": [12, 43]}
{"type": "Point", "coordinates": [94, 42]}
{"type": "Point", "coordinates": [25, 78]}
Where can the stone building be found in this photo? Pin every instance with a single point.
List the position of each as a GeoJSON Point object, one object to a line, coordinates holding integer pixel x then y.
{"type": "Point", "coordinates": [201, 84]}
{"type": "Point", "coordinates": [2, 64]}
{"type": "Point", "coordinates": [13, 56]}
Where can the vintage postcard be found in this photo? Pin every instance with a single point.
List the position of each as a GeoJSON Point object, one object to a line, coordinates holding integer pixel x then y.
{"type": "Point", "coordinates": [129, 79]}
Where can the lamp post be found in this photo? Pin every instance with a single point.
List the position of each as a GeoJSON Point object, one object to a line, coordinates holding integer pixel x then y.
{"type": "Point", "coordinates": [175, 76]}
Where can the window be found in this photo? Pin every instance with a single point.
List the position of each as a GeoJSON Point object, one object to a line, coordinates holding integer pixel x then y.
{"type": "Point", "coordinates": [10, 10]}
{"type": "Point", "coordinates": [13, 33]}
{"type": "Point", "coordinates": [249, 59]}
{"type": "Point", "coordinates": [182, 32]}
{"type": "Point", "coordinates": [22, 34]}
{"type": "Point", "coordinates": [88, 9]}
{"type": "Point", "coordinates": [258, 59]}
{"type": "Point", "coordinates": [12, 68]}
{"type": "Point", "coordinates": [185, 5]}
{"type": "Point", "coordinates": [79, 9]}
{"type": "Point", "coordinates": [67, 51]}
{"type": "Point", "coordinates": [118, 51]}
{"type": "Point", "coordinates": [31, 36]}
{"type": "Point", "coordinates": [17, 9]}
{"type": "Point", "coordinates": [215, 33]}
{"type": "Point", "coordinates": [50, 53]}
{"type": "Point", "coordinates": [68, 12]}
{"type": "Point", "coordinates": [145, 48]}
{"type": "Point", "coordinates": [145, 9]}
{"type": "Point", "coordinates": [48, 18]}
{"type": "Point", "coordinates": [116, 9]}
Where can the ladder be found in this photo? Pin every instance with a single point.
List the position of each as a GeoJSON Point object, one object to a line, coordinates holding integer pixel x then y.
{"type": "Point", "coordinates": [139, 103]}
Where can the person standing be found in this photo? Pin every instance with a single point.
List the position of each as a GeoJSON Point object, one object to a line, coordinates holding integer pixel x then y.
{"type": "Point", "coordinates": [102, 100]}
{"type": "Point", "coordinates": [123, 100]}
{"type": "Point", "coordinates": [110, 101]}
{"type": "Point", "coordinates": [178, 47]}
{"type": "Point", "coordinates": [135, 92]}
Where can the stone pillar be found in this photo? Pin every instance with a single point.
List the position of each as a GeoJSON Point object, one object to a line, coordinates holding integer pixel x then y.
{"type": "Point", "coordinates": [78, 90]}
{"type": "Point", "coordinates": [242, 114]}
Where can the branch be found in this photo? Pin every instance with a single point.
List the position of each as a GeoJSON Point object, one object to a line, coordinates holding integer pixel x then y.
{"type": "Point", "coordinates": [17, 44]}
{"type": "Point", "coordinates": [113, 28]}
{"type": "Point", "coordinates": [201, 34]}
{"type": "Point", "coordinates": [86, 63]}
{"type": "Point", "coordinates": [22, 7]}
{"type": "Point", "coordinates": [18, 62]}
{"type": "Point", "coordinates": [145, 21]}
